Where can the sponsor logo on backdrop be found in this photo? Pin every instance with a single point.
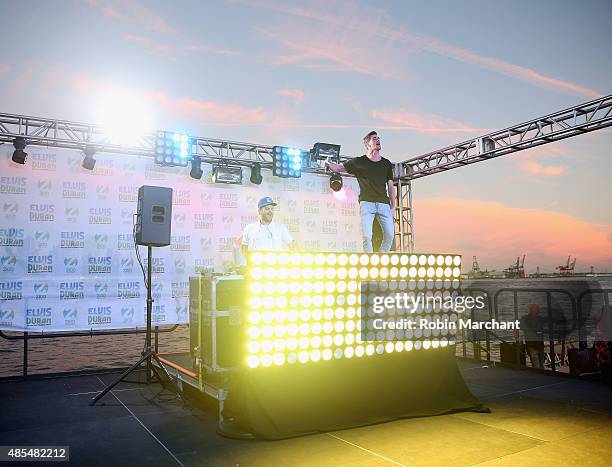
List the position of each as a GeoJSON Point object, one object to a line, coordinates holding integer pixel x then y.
{"type": "Point", "coordinates": [251, 201]}
{"type": "Point", "coordinates": [179, 265]}
{"type": "Point", "coordinates": [312, 245]}
{"type": "Point", "coordinates": [70, 316]}
{"type": "Point", "coordinates": [127, 314]}
{"type": "Point", "coordinates": [44, 187]}
{"type": "Point", "coordinates": [311, 206]}
{"type": "Point", "coordinates": [99, 315]}
{"type": "Point", "coordinates": [311, 226]}
{"type": "Point", "coordinates": [128, 167]}
{"type": "Point", "coordinates": [102, 192]}
{"type": "Point", "coordinates": [128, 194]}
{"type": "Point", "coordinates": [8, 263]}
{"type": "Point", "coordinates": [41, 289]}
{"type": "Point", "coordinates": [7, 315]}
{"type": "Point", "coordinates": [180, 243]}
{"type": "Point", "coordinates": [13, 185]}
{"type": "Point", "coordinates": [348, 227]}
{"type": "Point", "coordinates": [225, 244]}
{"type": "Point", "coordinates": [203, 221]}
{"type": "Point", "coordinates": [10, 210]}
{"type": "Point", "coordinates": [42, 212]}
{"type": "Point", "coordinates": [101, 289]}
{"type": "Point", "coordinates": [310, 185]}
{"type": "Point", "coordinates": [246, 220]}
{"type": "Point", "coordinates": [330, 227]}
{"type": "Point", "coordinates": [154, 172]}
{"type": "Point", "coordinates": [42, 238]}
{"type": "Point", "coordinates": [99, 265]}
{"type": "Point", "coordinates": [205, 243]}
{"type": "Point", "coordinates": [178, 220]}
{"type": "Point", "coordinates": [324, 187]}
{"type": "Point", "coordinates": [47, 162]}
{"type": "Point", "coordinates": [350, 246]}
{"type": "Point", "coordinates": [158, 266]}
{"type": "Point", "coordinates": [40, 264]}
{"type": "Point", "coordinates": [349, 209]}
{"type": "Point", "coordinates": [331, 207]}
{"type": "Point", "coordinates": [100, 216]}
{"type": "Point", "coordinates": [291, 205]}
{"type": "Point", "coordinates": [11, 237]}
{"type": "Point", "coordinates": [74, 190]}
{"type": "Point", "coordinates": [207, 198]}
{"type": "Point", "coordinates": [332, 246]}
{"type": "Point", "coordinates": [40, 316]}
{"type": "Point", "coordinates": [181, 197]}
{"type": "Point", "coordinates": [11, 290]}
{"type": "Point", "coordinates": [228, 200]}
{"type": "Point", "coordinates": [127, 217]}
{"type": "Point", "coordinates": [158, 314]}
{"type": "Point", "coordinates": [71, 264]}
{"type": "Point", "coordinates": [180, 289]}
{"type": "Point", "coordinates": [125, 241]}
{"type": "Point", "coordinates": [101, 241]}
{"type": "Point", "coordinates": [73, 239]}
{"type": "Point", "coordinates": [73, 290]}
{"type": "Point", "coordinates": [127, 265]}
{"type": "Point", "coordinates": [128, 289]}
{"type": "Point", "coordinates": [72, 215]}
{"type": "Point", "coordinates": [226, 222]}
{"type": "Point", "coordinates": [181, 312]}
{"type": "Point", "coordinates": [203, 264]}
{"type": "Point", "coordinates": [291, 184]}
{"type": "Point", "coordinates": [292, 224]}
{"type": "Point", "coordinates": [157, 290]}
{"type": "Point", "coordinates": [103, 168]}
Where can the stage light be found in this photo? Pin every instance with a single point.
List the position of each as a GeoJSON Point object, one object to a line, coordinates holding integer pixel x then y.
{"type": "Point", "coordinates": [19, 155]}
{"type": "Point", "coordinates": [227, 175]}
{"type": "Point", "coordinates": [328, 151]}
{"type": "Point", "coordinates": [172, 149]}
{"type": "Point", "coordinates": [256, 177]}
{"type": "Point", "coordinates": [335, 181]}
{"type": "Point", "coordinates": [196, 168]}
{"type": "Point", "coordinates": [88, 161]}
{"type": "Point", "coordinates": [288, 162]}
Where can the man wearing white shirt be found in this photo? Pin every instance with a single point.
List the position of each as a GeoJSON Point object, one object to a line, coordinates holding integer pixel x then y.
{"type": "Point", "coordinates": [266, 235]}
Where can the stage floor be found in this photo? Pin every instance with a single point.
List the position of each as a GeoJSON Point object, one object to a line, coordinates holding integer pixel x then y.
{"type": "Point", "coordinates": [536, 419]}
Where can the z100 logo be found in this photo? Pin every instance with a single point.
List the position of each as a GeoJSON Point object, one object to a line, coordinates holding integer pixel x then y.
{"type": "Point", "coordinates": [70, 316]}
{"type": "Point", "coordinates": [72, 290]}
{"type": "Point", "coordinates": [158, 290]}
{"type": "Point", "coordinates": [71, 263]}
{"type": "Point", "coordinates": [74, 190]}
{"type": "Point", "coordinates": [101, 241]}
{"type": "Point", "coordinates": [41, 289]}
{"type": "Point", "coordinates": [10, 210]}
{"type": "Point", "coordinates": [11, 290]}
{"type": "Point", "coordinates": [40, 264]}
{"type": "Point", "coordinates": [102, 192]}
{"type": "Point", "coordinates": [127, 217]}
{"type": "Point", "coordinates": [72, 215]}
{"type": "Point", "coordinates": [181, 313]}
{"type": "Point", "coordinates": [179, 265]}
{"type": "Point", "coordinates": [127, 314]}
{"type": "Point", "coordinates": [44, 187]}
{"type": "Point", "coordinates": [99, 264]}
{"type": "Point", "coordinates": [178, 220]}
{"type": "Point", "coordinates": [38, 316]}
{"type": "Point", "coordinates": [41, 212]}
{"type": "Point", "coordinates": [11, 237]}
{"type": "Point", "coordinates": [13, 185]}
{"type": "Point", "coordinates": [129, 289]}
{"type": "Point", "coordinates": [100, 216]}
{"type": "Point", "coordinates": [101, 289]}
{"type": "Point", "coordinates": [8, 263]}
{"type": "Point", "coordinates": [72, 240]}
{"type": "Point", "coordinates": [127, 265]}
{"type": "Point", "coordinates": [7, 316]}
{"type": "Point", "coordinates": [42, 239]}
{"type": "Point", "coordinates": [99, 315]}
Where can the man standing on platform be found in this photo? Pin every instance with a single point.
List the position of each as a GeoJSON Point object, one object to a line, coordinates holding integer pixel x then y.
{"type": "Point", "coordinates": [374, 174]}
{"type": "Point", "coordinates": [266, 235]}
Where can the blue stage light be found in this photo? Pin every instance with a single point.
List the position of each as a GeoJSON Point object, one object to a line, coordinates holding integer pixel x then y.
{"type": "Point", "coordinates": [172, 149]}
{"type": "Point", "coordinates": [288, 161]}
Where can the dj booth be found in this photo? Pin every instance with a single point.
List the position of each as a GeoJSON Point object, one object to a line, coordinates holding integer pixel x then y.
{"type": "Point", "coordinates": [295, 345]}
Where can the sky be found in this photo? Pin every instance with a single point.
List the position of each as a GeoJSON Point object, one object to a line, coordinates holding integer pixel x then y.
{"type": "Point", "coordinates": [425, 75]}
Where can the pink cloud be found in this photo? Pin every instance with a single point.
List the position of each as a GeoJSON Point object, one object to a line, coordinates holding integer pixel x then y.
{"type": "Point", "coordinates": [210, 49]}
{"type": "Point", "coordinates": [352, 18]}
{"type": "Point", "coordinates": [535, 168]}
{"type": "Point", "coordinates": [4, 69]}
{"type": "Point", "coordinates": [497, 234]}
{"type": "Point", "coordinates": [133, 12]}
{"type": "Point", "coordinates": [422, 122]}
{"type": "Point", "coordinates": [296, 94]}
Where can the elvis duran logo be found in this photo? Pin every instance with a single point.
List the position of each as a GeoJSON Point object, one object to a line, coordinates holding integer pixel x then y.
{"type": "Point", "coordinates": [350, 246]}
{"type": "Point", "coordinates": [181, 197]}
{"type": "Point", "coordinates": [180, 289]}
{"type": "Point", "coordinates": [73, 239]}
{"type": "Point", "coordinates": [128, 193]}
{"type": "Point", "coordinates": [74, 190]}
{"type": "Point", "coordinates": [228, 200]}
{"type": "Point", "coordinates": [71, 264]}
{"type": "Point", "coordinates": [246, 220]}
{"type": "Point", "coordinates": [13, 185]}
{"type": "Point", "coordinates": [203, 264]}
{"type": "Point", "coordinates": [180, 243]}
{"type": "Point", "coordinates": [40, 264]}
{"type": "Point", "coordinates": [128, 290]}
{"type": "Point", "coordinates": [158, 313]}
{"type": "Point", "coordinates": [42, 212]}
{"type": "Point", "coordinates": [44, 187]}
{"type": "Point", "coordinates": [225, 244]}
{"type": "Point", "coordinates": [73, 290]}
{"type": "Point", "coordinates": [43, 161]}
{"type": "Point", "coordinates": [103, 168]}
{"type": "Point", "coordinates": [100, 216]}
{"type": "Point", "coordinates": [10, 210]}
{"type": "Point", "coordinates": [11, 237]}
{"type": "Point", "coordinates": [349, 209]}
{"type": "Point", "coordinates": [125, 241]}
{"type": "Point", "coordinates": [203, 221]}
{"type": "Point", "coordinates": [291, 184]}
{"type": "Point", "coordinates": [11, 290]}
{"type": "Point", "coordinates": [311, 206]}
{"type": "Point", "coordinates": [330, 227]}
{"type": "Point", "coordinates": [8, 263]}
{"type": "Point", "coordinates": [154, 172]}
{"type": "Point", "coordinates": [158, 265]}
{"type": "Point", "coordinates": [99, 264]}
{"type": "Point", "coordinates": [99, 315]}
{"type": "Point", "coordinates": [292, 224]}
{"type": "Point", "coordinates": [312, 245]}
{"type": "Point", "coordinates": [40, 316]}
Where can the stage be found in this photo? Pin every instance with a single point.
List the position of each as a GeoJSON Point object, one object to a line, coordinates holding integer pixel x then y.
{"type": "Point", "coordinates": [536, 419]}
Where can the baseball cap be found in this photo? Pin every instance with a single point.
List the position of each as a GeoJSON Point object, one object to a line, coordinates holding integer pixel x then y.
{"type": "Point", "coordinates": [266, 201]}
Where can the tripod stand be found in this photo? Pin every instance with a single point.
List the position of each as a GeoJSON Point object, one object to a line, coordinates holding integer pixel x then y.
{"type": "Point", "coordinates": [148, 352]}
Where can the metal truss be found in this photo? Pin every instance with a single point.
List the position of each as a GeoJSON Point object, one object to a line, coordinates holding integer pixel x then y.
{"type": "Point", "coordinates": [591, 116]}
{"type": "Point", "coordinates": [404, 228]}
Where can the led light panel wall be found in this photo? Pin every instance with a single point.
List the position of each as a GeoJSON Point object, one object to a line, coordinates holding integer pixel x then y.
{"type": "Point", "coordinates": [288, 162]}
{"type": "Point", "coordinates": [310, 307]}
{"type": "Point", "coordinates": [172, 149]}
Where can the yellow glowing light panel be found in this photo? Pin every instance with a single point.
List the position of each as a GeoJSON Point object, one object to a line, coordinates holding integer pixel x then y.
{"type": "Point", "coordinates": [307, 307]}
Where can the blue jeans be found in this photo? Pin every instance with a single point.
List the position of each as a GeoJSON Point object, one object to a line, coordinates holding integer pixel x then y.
{"type": "Point", "coordinates": [382, 211]}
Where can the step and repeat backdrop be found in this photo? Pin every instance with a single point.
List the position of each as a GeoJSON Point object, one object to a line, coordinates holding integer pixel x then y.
{"type": "Point", "coordinates": [67, 256]}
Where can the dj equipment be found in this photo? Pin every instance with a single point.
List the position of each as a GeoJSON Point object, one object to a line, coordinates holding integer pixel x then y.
{"type": "Point", "coordinates": [154, 215]}
{"type": "Point", "coordinates": [215, 321]}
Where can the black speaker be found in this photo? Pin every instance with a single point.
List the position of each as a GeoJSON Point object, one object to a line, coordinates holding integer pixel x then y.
{"type": "Point", "coordinates": [154, 215]}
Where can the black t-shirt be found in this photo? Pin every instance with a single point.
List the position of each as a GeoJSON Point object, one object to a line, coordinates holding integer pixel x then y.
{"type": "Point", "coordinates": [372, 177]}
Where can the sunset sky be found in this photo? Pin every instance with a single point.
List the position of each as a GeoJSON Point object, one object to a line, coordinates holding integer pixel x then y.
{"type": "Point", "coordinates": [423, 74]}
